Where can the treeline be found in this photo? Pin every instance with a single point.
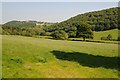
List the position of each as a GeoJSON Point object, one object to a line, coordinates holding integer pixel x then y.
{"type": "Point", "coordinates": [98, 20]}
{"type": "Point", "coordinates": [25, 28]}
{"type": "Point", "coordinates": [82, 30]}
{"type": "Point", "coordinates": [79, 26]}
{"type": "Point", "coordinates": [20, 24]}
{"type": "Point", "coordinates": [24, 31]}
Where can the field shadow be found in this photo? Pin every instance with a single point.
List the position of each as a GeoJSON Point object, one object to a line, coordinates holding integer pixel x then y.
{"type": "Point", "coordinates": [88, 59]}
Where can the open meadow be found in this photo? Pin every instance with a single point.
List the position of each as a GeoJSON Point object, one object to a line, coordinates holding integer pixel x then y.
{"type": "Point", "coordinates": [99, 34]}
{"type": "Point", "coordinates": [68, 39]}
{"type": "Point", "coordinates": [29, 57]}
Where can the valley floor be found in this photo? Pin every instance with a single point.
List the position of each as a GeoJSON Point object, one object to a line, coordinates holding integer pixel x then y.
{"type": "Point", "coordinates": [28, 57]}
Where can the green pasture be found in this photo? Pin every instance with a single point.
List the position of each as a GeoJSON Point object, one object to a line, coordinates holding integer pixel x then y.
{"type": "Point", "coordinates": [30, 57]}
{"type": "Point", "coordinates": [113, 32]}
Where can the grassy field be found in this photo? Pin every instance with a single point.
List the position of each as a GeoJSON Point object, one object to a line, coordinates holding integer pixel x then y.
{"type": "Point", "coordinates": [45, 58]}
{"type": "Point", "coordinates": [98, 35]}
{"type": "Point", "coordinates": [0, 56]}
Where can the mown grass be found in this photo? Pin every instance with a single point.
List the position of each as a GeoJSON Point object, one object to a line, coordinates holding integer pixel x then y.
{"type": "Point", "coordinates": [45, 58]}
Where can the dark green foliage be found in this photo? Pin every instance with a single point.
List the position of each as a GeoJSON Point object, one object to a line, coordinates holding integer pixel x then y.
{"type": "Point", "coordinates": [118, 38]}
{"type": "Point", "coordinates": [59, 34]}
{"type": "Point", "coordinates": [84, 31]}
{"type": "Point", "coordinates": [20, 24]}
{"type": "Point", "coordinates": [74, 27]}
{"type": "Point", "coordinates": [22, 31]}
{"type": "Point", "coordinates": [25, 28]}
{"type": "Point", "coordinates": [39, 59]}
{"type": "Point", "coordinates": [68, 28]}
{"type": "Point", "coordinates": [99, 20]}
{"type": "Point", "coordinates": [47, 33]}
{"type": "Point", "coordinates": [72, 34]}
{"type": "Point", "coordinates": [109, 37]}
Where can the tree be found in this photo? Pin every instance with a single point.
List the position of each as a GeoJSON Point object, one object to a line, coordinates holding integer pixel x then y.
{"type": "Point", "coordinates": [118, 38]}
{"type": "Point", "coordinates": [59, 34]}
{"type": "Point", "coordinates": [84, 31]}
{"type": "Point", "coordinates": [107, 25]}
{"type": "Point", "coordinates": [23, 33]}
{"type": "Point", "coordinates": [38, 30]}
{"type": "Point", "coordinates": [71, 34]}
{"type": "Point", "coordinates": [109, 37]}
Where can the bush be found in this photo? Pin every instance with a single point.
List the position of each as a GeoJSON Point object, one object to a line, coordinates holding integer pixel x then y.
{"type": "Point", "coordinates": [118, 38]}
{"type": "Point", "coordinates": [109, 37]}
{"type": "Point", "coordinates": [17, 59]}
{"type": "Point", "coordinates": [60, 35]}
{"type": "Point", "coordinates": [40, 59]}
{"type": "Point", "coordinates": [45, 33]}
{"type": "Point", "coordinates": [48, 34]}
{"type": "Point", "coordinates": [5, 32]}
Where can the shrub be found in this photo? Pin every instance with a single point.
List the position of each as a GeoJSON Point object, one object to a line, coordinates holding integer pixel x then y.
{"type": "Point", "coordinates": [60, 35]}
{"type": "Point", "coordinates": [118, 38]}
{"type": "Point", "coordinates": [48, 34]}
{"type": "Point", "coordinates": [45, 33]}
{"type": "Point", "coordinates": [4, 32]}
{"type": "Point", "coordinates": [17, 60]}
{"type": "Point", "coordinates": [40, 59]}
{"type": "Point", "coordinates": [109, 37]}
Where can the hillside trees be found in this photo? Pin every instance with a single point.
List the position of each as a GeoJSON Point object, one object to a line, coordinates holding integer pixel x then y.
{"type": "Point", "coordinates": [118, 38]}
{"type": "Point", "coordinates": [20, 24]}
{"type": "Point", "coordinates": [25, 28]}
{"type": "Point", "coordinates": [109, 37]}
{"type": "Point", "coordinates": [84, 31]}
{"type": "Point", "coordinates": [99, 20]}
{"type": "Point", "coordinates": [59, 34]}
{"type": "Point", "coordinates": [79, 26]}
{"type": "Point", "coordinates": [22, 31]}
{"type": "Point", "coordinates": [70, 29]}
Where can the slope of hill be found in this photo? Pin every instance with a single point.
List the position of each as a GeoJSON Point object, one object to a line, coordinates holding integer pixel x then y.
{"type": "Point", "coordinates": [99, 20]}
{"type": "Point", "coordinates": [98, 35]}
{"type": "Point", "coordinates": [24, 28]}
{"type": "Point", "coordinates": [20, 24]}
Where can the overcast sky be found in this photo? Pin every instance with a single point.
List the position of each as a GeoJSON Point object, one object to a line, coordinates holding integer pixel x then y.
{"type": "Point", "coordinates": [49, 11]}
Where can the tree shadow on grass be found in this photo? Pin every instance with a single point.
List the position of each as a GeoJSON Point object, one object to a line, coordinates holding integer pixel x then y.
{"type": "Point", "coordinates": [88, 59]}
